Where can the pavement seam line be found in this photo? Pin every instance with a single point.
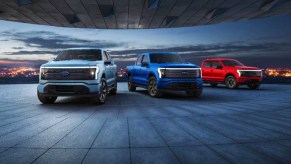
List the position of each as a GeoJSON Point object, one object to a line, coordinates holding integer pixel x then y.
{"type": "Point", "coordinates": [94, 140]}
{"type": "Point", "coordinates": [63, 137]}
{"type": "Point", "coordinates": [164, 140]}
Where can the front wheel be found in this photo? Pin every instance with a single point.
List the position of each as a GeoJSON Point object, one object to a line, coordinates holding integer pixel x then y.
{"type": "Point", "coordinates": [230, 82]}
{"type": "Point", "coordinates": [254, 85]}
{"type": "Point", "coordinates": [46, 99]}
{"type": "Point", "coordinates": [131, 87]}
{"type": "Point", "coordinates": [152, 88]}
{"type": "Point", "coordinates": [103, 90]}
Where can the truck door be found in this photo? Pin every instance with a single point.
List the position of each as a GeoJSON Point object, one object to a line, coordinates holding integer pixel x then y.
{"type": "Point", "coordinates": [108, 71]}
{"type": "Point", "coordinates": [112, 68]}
{"type": "Point", "coordinates": [206, 70]}
{"type": "Point", "coordinates": [144, 70]}
{"type": "Point", "coordinates": [217, 71]}
{"type": "Point", "coordinates": [137, 70]}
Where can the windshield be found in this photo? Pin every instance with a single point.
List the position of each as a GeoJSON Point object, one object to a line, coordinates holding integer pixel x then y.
{"type": "Point", "coordinates": [165, 58]}
{"type": "Point", "coordinates": [231, 63]}
{"type": "Point", "coordinates": [92, 55]}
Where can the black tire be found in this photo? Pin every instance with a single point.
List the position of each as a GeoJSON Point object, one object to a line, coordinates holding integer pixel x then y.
{"type": "Point", "coordinates": [213, 84]}
{"type": "Point", "coordinates": [46, 99]}
{"type": "Point", "coordinates": [195, 94]}
{"type": "Point", "coordinates": [254, 85]}
{"type": "Point", "coordinates": [113, 91]}
{"type": "Point", "coordinates": [152, 88]}
{"type": "Point", "coordinates": [131, 87]}
{"type": "Point", "coordinates": [103, 90]}
{"type": "Point", "coordinates": [230, 82]}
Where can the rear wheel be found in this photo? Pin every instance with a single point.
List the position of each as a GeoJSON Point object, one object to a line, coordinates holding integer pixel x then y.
{"type": "Point", "coordinates": [213, 84]}
{"type": "Point", "coordinates": [131, 87]}
{"type": "Point", "coordinates": [152, 88]}
{"type": "Point", "coordinates": [196, 93]}
{"type": "Point", "coordinates": [230, 82]}
{"type": "Point", "coordinates": [254, 85]}
{"type": "Point", "coordinates": [103, 90]}
{"type": "Point", "coordinates": [46, 99]}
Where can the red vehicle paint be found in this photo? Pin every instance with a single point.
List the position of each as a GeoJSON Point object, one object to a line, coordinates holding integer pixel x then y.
{"type": "Point", "coordinates": [230, 72]}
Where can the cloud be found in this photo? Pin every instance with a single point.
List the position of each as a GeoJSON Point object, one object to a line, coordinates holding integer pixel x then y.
{"type": "Point", "coordinates": [31, 52]}
{"type": "Point", "coordinates": [17, 48]}
{"type": "Point", "coordinates": [215, 50]}
{"type": "Point", "coordinates": [6, 63]}
{"type": "Point", "coordinates": [54, 41]}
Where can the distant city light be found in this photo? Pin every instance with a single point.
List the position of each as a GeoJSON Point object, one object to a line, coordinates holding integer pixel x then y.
{"type": "Point", "coordinates": [21, 71]}
{"type": "Point", "coordinates": [278, 72]}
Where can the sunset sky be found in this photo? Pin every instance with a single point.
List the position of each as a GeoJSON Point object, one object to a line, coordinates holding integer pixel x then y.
{"type": "Point", "coordinates": [260, 42]}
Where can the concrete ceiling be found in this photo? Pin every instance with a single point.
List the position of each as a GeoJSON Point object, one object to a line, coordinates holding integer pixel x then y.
{"type": "Point", "coordinates": [138, 14]}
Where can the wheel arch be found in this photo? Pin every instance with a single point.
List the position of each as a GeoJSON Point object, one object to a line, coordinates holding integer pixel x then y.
{"type": "Point", "coordinates": [229, 74]}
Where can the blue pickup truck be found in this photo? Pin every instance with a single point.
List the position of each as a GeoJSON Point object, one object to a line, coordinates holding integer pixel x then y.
{"type": "Point", "coordinates": [158, 72]}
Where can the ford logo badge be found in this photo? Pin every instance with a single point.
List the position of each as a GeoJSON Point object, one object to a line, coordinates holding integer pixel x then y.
{"type": "Point", "coordinates": [64, 73]}
{"type": "Point", "coordinates": [184, 73]}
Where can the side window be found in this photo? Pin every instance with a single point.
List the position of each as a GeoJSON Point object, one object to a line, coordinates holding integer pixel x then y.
{"type": "Point", "coordinates": [215, 64]}
{"type": "Point", "coordinates": [207, 64]}
{"type": "Point", "coordinates": [145, 59]}
{"type": "Point", "coordinates": [138, 62]}
{"type": "Point", "coordinates": [105, 58]}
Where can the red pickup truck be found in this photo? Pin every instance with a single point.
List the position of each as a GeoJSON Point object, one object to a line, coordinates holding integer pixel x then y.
{"type": "Point", "coordinates": [230, 72]}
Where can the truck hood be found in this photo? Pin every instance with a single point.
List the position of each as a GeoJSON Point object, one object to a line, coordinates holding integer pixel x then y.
{"type": "Point", "coordinates": [246, 68]}
{"type": "Point", "coordinates": [172, 65]}
{"type": "Point", "coordinates": [71, 63]}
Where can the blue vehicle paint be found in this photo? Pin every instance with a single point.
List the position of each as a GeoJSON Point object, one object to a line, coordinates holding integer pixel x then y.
{"type": "Point", "coordinates": [168, 70]}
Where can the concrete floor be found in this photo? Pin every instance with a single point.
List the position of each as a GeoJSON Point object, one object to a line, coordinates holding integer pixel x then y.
{"type": "Point", "coordinates": [223, 126]}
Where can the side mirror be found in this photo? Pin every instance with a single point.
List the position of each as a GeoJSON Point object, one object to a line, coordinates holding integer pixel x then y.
{"type": "Point", "coordinates": [144, 64]}
{"type": "Point", "coordinates": [108, 62]}
{"type": "Point", "coordinates": [219, 67]}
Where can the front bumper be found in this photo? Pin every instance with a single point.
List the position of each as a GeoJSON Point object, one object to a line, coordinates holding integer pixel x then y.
{"type": "Point", "coordinates": [180, 84]}
{"type": "Point", "coordinates": [248, 80]}
{"type": "Point", "coordinates": [68, 89]}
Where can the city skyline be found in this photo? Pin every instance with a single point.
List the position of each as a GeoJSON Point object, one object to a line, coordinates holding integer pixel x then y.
{"type": "Point", "coordinates": [260, 42]}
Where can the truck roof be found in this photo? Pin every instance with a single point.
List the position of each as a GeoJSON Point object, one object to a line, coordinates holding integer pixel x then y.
{"type": "Point", "coordinates": [158, 53]}
{"type": "Point", "coordinates": [219, 59]}
{"type": "Point", "coordinates": [84, 48]}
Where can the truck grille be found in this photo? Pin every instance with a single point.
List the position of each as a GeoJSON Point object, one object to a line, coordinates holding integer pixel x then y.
{"type": "Point", "coordinates": [251, 73]}
{"type": "Point", "coordinates": [68, 74]}
{"type": "Point", "coordinates": [79, 89]}
{"type": "Point", "coordinates": [172, 73]}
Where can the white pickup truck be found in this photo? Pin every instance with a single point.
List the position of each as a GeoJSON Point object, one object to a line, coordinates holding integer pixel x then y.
{"type": "Point", "coordinates": [87, 72]}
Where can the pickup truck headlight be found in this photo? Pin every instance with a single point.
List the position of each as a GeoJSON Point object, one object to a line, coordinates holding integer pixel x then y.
{"type": "Point", "coordinates": [42, 73]}
{"type": "Point", "coordinates": [162, 72]}
{"type": "Point", "coordinates": [94, 72]}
